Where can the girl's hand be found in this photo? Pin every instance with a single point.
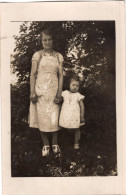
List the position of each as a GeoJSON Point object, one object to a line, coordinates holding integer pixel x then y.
{"type": "Point", "coordinates": [33, 97]}
{"type": "Point", "coordinates": [82, 120]}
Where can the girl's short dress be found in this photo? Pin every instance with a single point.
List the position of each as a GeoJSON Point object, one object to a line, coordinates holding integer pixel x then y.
{"type": "Point", "coordinates": [70, 111]}
{"type": "Point", "coordinates": [45, 113]}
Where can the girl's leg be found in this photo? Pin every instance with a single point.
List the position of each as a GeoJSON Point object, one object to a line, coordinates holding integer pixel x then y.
{"type": "Point", "coordinates": [44, 138]}
{"type": "Point", "coordinates": [76, 136]}
{"type": "Point", "coordinates": [54, 138]}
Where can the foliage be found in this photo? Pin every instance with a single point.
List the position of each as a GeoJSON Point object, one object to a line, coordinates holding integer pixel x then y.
{"type": "Point", "coordinates": [88, 49]}
{"type": "Point", "coordinates": [19, 103]}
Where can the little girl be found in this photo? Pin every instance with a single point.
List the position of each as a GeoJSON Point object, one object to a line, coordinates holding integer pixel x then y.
{"type": "Point", "coordinates": [72, 111]}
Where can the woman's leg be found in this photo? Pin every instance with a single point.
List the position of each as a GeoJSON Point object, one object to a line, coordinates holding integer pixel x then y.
{"type": "Point", "coordinates": [54, 138]}
{"type": "Point", "coordinates": [44, 138]}
{"type": "Point", "coordinates": [55, 146]}
{"type": "Point", "coordinates": [76, 136]}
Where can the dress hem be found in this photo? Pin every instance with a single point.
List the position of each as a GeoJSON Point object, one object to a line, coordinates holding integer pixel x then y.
{"type": "Point", "coordinates": [44, 131]}
{"type": "Point", "coordinates": [70, 127]}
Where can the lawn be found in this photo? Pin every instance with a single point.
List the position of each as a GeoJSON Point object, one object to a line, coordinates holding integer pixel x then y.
{"type": "Point", "coordinates": [96, 156]}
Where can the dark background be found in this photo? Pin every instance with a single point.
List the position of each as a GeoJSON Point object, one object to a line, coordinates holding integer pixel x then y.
{"type": "Point", "coordinates": [88, 48]}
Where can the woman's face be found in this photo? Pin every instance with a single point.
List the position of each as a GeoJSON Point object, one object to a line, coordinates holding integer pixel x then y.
{"type": "Point", "coordinates": [47, 41]}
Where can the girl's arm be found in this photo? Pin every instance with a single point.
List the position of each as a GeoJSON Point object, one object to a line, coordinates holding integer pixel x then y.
{"type": "Point", "coordinates": [81, 104]}
{"type": "Point", "coordinates": [33, 81]}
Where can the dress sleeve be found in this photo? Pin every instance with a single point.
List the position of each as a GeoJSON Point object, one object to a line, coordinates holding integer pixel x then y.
{"type": "Point", "coordinates": [63, 93]}
{"type": "Point", "coordinates": [35, 57]}
{"type": "Point", "coordinates": [80, 97]}
{"type": "Point", "coordinates": [60, 58]}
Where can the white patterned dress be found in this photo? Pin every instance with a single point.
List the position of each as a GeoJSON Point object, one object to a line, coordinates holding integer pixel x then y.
{"type": "Point", "coordinates": [70, 111]}
{"type": "Point", "coordinates": [45, 113]}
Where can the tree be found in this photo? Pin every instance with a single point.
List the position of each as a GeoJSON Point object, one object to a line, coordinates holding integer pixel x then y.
{"type": "Point", "coordinates": [88, 48]}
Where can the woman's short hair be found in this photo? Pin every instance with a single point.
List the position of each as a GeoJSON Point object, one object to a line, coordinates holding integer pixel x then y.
{"type": "Point", "coordinates": [46, 31]}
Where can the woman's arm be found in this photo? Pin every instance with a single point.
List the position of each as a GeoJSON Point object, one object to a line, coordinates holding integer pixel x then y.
{"type": "Point", "coordinates": [81, 104]}
{"type": "Point", "coordinates": [33, 81]}
{"type": "Point", "coordinates": [60, 79]}
{"type": "Point", "coordinates": [58, 97]}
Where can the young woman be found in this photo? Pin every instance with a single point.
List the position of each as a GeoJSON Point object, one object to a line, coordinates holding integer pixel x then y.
{"type": "Point", "coordinates": [46, 87]}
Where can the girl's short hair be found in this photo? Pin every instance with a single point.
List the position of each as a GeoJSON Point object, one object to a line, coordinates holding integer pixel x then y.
{"type": "Point", "coordinates": [46, 31]}
{"type": "Point", "coordinates": [75, 78]}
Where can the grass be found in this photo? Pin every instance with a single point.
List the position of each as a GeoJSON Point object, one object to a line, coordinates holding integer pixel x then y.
{"type": "Point", "coordinates": [96, 156]}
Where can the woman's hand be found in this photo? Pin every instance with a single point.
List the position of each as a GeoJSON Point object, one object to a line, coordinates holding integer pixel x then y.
{"type": "Point", "coordinates": [58, 99]}
{"type": "Point", "coordinates": [33, 97]}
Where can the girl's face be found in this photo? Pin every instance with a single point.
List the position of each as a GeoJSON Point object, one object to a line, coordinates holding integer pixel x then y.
{"type": "Point", "coordinates": [47, 41]}
{"type": "Point", "coordinates": [74, 86]}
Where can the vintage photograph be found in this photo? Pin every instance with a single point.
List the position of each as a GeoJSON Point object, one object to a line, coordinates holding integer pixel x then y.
{"type": "Point", "coordinates": [63, 99]}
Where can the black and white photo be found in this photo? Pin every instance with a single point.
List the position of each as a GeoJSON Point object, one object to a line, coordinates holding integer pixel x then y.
{"type": "Point", "coordinates": [65, 76]}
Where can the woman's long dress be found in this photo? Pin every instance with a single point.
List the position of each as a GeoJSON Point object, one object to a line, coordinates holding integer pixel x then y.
{"type": "Point", "coordinates": [45, 113]}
